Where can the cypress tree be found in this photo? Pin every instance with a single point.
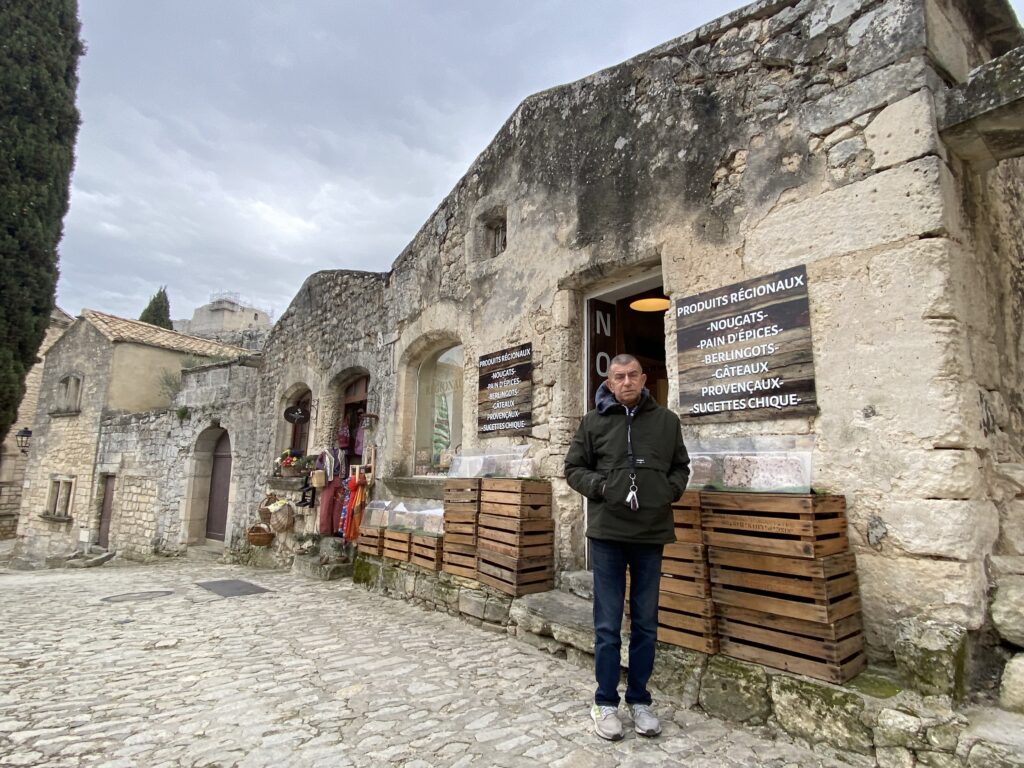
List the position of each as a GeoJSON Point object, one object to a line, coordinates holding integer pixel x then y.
{"type": "Point", "coordinates": [158, 311]}
{"type": "Point", "coordinates": [39, 51]}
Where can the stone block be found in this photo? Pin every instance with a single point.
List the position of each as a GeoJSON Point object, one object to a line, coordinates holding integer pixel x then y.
{"type": "Point", "coordinates": [893, 588]}
{"type": "Point", "coordinates": [938, 474]}
{"type": "Point", "coordinates": [933, 759]}
{"type": "Point", "coordinates": [1011, 689]}
{"type": "Point", "coordinates": [890, 206]}
{"type": "Point", "coordinates": [932, 657]}
{"type": "Point", "coordinates": [955, 529]}
{"type": "Point", "coordinates": [894, 757]}
{"type": "Point", "coordinates": [882, 87]}
{"type": "Point", "coordinates": [904, 131]}
{"type": "Point", "coordinates": [496, 609]}
{"type": "Point", "coordinates": [1008, 609]}
{"type": "Point", "coordinates": [891, 32]}
{"type": "Point", "coordinates": [677, 672]}
{"type": "Point", "coordinates": [945, 737]}
{"type": "Point", "coordinates": [989, 755]}
{"type": "Point", "coordinates": [828, 14]}
{"type": "Point", "coordinates": [472, 602]}
{"type": "Point", "coordinates": [899, 729]}
{"type": "Point", "coordinates": [734, 690]}
{"type": "Point", "coordinates": [820, 713]}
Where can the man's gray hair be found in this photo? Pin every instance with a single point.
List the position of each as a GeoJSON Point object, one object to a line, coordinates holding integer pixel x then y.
{"type": "Point", "coordinates": [624, 359]}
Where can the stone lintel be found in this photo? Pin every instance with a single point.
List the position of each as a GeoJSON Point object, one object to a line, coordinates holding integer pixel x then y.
{"type": "Point", "coordinates": [983, 119]}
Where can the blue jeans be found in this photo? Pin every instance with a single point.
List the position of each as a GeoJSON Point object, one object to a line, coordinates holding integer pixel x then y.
{"type": "Point", "coordinates": [610, 560]}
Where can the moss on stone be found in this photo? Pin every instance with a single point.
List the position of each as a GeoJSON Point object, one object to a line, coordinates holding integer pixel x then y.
{"type": "Point", "coordinates": [876, 684]}
{"type": "Point", "coordinates": [364, 572]}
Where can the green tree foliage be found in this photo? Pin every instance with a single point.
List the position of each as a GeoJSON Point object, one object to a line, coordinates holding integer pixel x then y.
{"type": "Point", "coordinates": [39, 51]}
{"type": "Point", "coordinates": [158, 311]}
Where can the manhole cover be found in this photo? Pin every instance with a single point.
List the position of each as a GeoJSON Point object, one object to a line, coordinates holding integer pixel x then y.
{"type": "Point", "coordinates": [232, 587]}
{"type": "Point", "coordinates": [131, 597]}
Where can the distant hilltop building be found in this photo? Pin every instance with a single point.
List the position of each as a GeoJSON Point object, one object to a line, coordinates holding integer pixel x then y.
{"type": "Point", "coordinates": [226, 319]}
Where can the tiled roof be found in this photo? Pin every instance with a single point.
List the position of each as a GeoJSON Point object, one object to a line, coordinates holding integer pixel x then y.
{"type": "Point", "coordinates": [137, 332]}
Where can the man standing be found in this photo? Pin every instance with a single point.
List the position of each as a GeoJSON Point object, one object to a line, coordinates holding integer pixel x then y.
{"type": "Point", "coordinates": [629, 460]}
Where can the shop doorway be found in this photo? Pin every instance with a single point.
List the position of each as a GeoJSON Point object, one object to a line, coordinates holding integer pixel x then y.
{"type": "Point", "coordinates": [351, 431]}
{"type": "Point", "coordinates": [628, 320]}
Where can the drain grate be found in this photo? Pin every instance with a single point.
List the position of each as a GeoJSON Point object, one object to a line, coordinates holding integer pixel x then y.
{"type": "Point", "coordinates": [232, 587]}
{"type": "Point", "coordinates": [134, 597]}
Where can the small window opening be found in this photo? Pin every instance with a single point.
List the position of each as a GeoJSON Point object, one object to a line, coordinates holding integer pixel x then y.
{"type": "Point", "coordinates": [59, 502]}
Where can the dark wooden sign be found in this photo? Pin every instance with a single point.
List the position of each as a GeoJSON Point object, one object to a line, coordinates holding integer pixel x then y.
{"type": "Point", "coordinates": [505, 399]}
{"type": "Point", "coordinates": [296, 414]}
{"type": "Point", "coordinates": [745, 350]}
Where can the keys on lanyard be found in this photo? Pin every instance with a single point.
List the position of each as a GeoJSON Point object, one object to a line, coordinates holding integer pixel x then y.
{"type": "Point", "coordinates": [631, 497]}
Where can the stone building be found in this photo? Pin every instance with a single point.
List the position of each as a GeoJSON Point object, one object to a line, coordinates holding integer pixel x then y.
{"type": "Point", "coordinates": [12, 457]}
{"type": "Point", "coordinates": [868, 150]}
{"type": "Point", "coordinates": [227, 320]}
{"type": "Point", "coordinates": [100, 367]}
{"type": "Point", "coordinates": [786, 134]}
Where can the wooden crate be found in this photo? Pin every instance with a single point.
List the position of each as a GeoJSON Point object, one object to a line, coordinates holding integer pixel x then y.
{"type": "Point", "coordinates": [515, 498]}
{"type": "Point", "coordinates": [686, 514]}
{"type": "Point", "coordinates": [426, 551]}
{"type": "Point", "coordinates": [823, 590]}
{"type": "Point", "coordinates": [462, 495]}
{"type": "Point", "coordinates": [516, 537]}
{"type": "Point", "coordinates": [459, 560]}
{"type": "Point", "coordinates": [515, 575]}
{"type": "Point", "coordinates": [371, 540]}
{"type": "Point", "coordinates": [833, 652]}
{"type": "Point", "coordinates": [794, 525]}
{"type": "Point", "coordinates": [397, 544]}
{"type": "Point", "coordinates": [684, 570]}
{"type": "Point", "coordinates": [460, 527]}
{"type": "Point", "coordinates": [687, 622]}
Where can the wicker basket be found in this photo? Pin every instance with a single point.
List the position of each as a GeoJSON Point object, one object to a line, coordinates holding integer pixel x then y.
{"type": "Point", "coordinates": [265, 507]}
{"type": "Point", "coordinates": [260, 535]}
{"type": "Point", "coordinates": [281, 519]}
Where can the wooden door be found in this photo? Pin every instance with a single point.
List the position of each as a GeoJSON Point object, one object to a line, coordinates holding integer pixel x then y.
{"type": "Point", "coordinates": [220, 483]}
{"type": "Point", "coordinates": [600, 345]}
{"type": "Point", "coordinates": [106, 510]}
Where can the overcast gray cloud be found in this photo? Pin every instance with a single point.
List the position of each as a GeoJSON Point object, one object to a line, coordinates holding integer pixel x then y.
{"type": "Point", "coordinates": [239, 145]}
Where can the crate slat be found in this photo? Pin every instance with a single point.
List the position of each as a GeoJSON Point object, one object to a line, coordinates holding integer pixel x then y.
{"type": "Point", "coordinates": [795, 525]}
{"type": "Point", "coordinates": [512, 485]}
{"type": "Point", "coordinates": [832, 672]}
{"type": "Point", "coordinates": [680, 585]}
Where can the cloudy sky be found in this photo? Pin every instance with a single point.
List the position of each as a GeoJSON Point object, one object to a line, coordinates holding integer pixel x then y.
{"type": "Point", "coordinates": [240, 145]}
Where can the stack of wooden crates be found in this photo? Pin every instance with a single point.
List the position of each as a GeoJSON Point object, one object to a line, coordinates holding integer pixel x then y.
{"type": "Point", "coordinates": [461, 508]}
{"type": "Point", "coordinates": [686, 614]}
{"type": "Point", "coordinates": [784, 583]}
{"type": "Point", "coordinates": [515, 536]}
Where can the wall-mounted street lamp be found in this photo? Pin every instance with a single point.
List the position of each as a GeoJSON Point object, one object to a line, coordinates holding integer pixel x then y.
{"type": "Point", "coordinates": [24, 437]}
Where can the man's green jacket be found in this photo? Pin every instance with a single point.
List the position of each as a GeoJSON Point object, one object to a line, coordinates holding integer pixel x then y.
{"type": "Point", "coordinates": [598, 466]}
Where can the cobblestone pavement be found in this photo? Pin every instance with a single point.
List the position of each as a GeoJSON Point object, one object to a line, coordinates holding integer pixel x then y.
{"type": "Point", "coordinates": [307, 674]}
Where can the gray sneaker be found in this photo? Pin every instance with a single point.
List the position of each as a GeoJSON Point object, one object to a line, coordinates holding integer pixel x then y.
{"type": "Point", "coordinates": [606, 722]}
{"type": "Point", "coordinates": [644, 721]}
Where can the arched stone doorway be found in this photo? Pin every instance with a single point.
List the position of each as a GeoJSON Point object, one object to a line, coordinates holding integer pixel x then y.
{"type": "Point", "coordinates": [209, 488]}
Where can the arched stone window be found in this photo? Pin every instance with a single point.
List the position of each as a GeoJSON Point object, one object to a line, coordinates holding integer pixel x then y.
{"type": "Point", "coordinates": [438, 411]}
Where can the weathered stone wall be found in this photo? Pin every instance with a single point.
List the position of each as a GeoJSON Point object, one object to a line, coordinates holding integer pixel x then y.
{"type": "Point", "coordinates": [12, 460]}
{"type": "Point", "coordinates": [156, 458]}
{"type": "Point", "coordinates": [64, 444]}
{"type": "Point", "coordinates": [333, 332]}
{"type": "Point", "coordinates": [786, 133]}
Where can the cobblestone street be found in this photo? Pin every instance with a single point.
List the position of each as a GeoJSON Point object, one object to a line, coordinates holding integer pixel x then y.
{"type": "Point", "coordinates": [306, 674]}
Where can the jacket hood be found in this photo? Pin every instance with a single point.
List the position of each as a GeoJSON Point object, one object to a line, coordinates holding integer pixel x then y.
{"type": "Point", "coordinates": [605, 400]}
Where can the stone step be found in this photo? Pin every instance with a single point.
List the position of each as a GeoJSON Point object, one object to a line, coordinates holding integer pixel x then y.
{"type": "Point", "coordinates": [311, 567]}
{"type": "Point", "coordinates": [566, 618]}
